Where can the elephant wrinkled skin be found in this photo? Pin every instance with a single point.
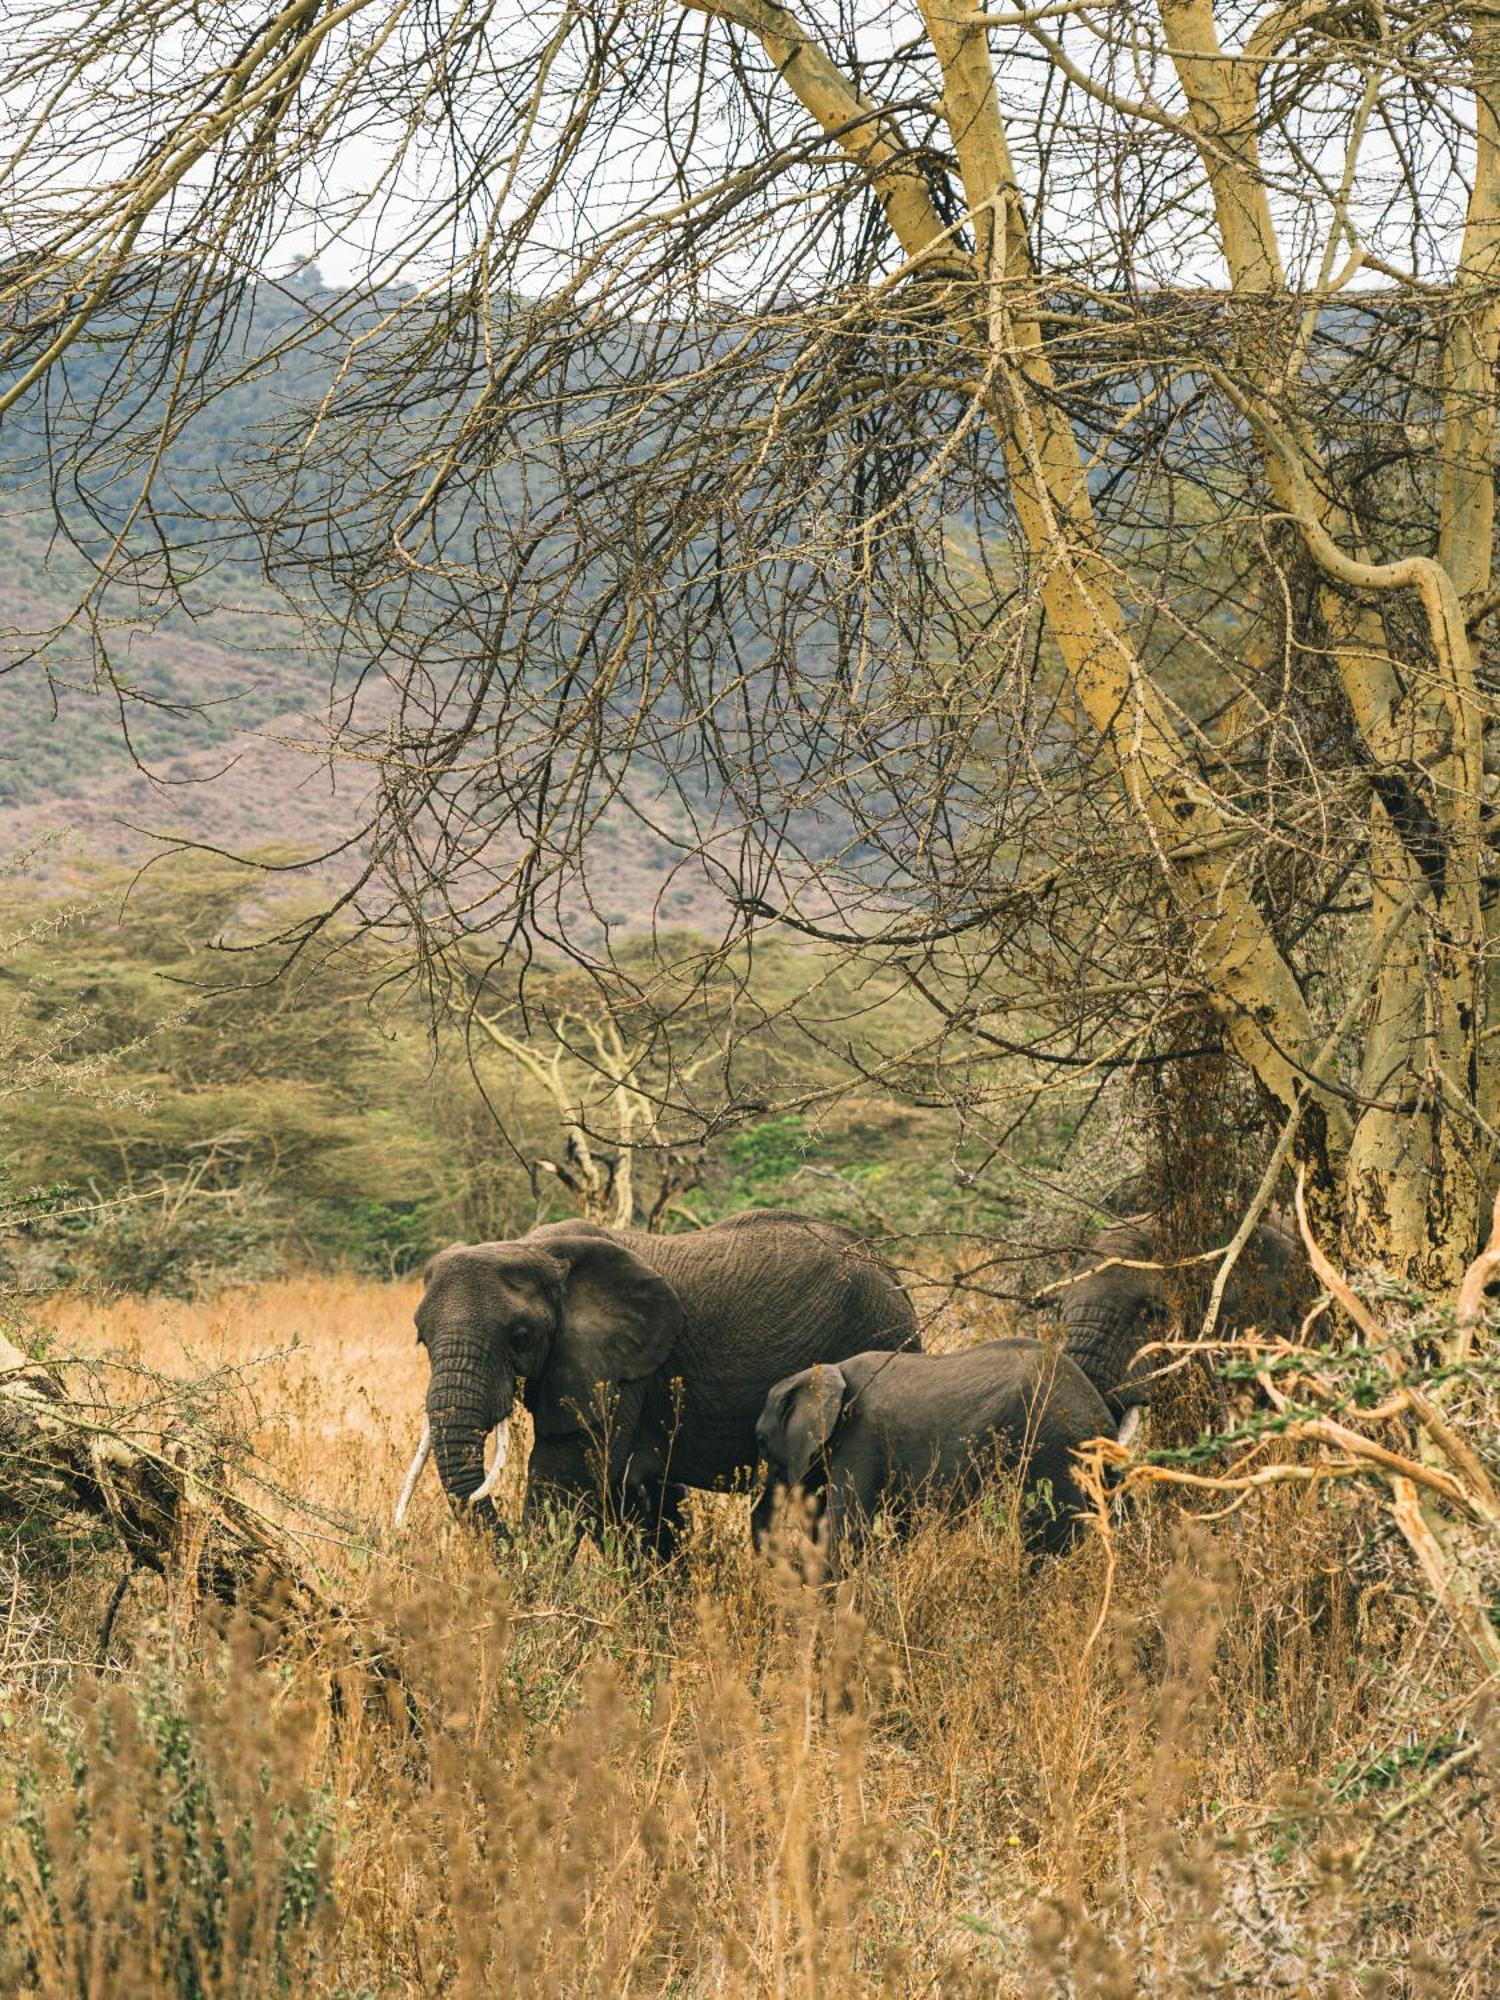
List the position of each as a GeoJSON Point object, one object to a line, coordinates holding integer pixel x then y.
{"type": "Point", "coordinates": [890, 1428]}
{"type": "Point", "coordinates": [645, 1359]}
{"type": "Point", "coordinates": [1112, 1306]}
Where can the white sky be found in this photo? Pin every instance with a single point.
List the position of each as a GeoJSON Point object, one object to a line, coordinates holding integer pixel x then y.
{"type": "Point", "coordinates": [381, 201]}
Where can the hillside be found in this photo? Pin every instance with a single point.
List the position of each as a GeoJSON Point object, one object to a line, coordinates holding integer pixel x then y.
{"type": "Point", "coordinates": [223, 736]}
{"type": "Point", "coordinates": [213, 732]}
{"type": "Point", "coordinates": [192, 707]}
{"type": "Point", "coordinates": [229, 709]}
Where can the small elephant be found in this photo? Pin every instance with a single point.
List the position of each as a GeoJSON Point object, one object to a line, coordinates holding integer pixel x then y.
{"type": "Point", "coordinates": [1116, 1301]}
{"type": "Point", "coordinates": [645, 1359]}
{"type": "Point", "coordinates": [886, 1428]}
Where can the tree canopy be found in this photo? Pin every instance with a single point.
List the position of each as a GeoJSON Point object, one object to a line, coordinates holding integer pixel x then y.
{"type": "Point", "coordinates": [1010, 489]}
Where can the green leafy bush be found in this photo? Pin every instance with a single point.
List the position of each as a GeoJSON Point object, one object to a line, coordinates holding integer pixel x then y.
{"type": "Point", "coordinates": [763, 1159]}
{"type": "Point", "coordinates": [389, 1239]}
{"type": "Point", "coordinates": [161, 1841]}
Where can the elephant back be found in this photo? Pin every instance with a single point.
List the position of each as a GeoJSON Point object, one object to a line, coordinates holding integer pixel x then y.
{"type": "Point", "coordinates": [763, 1294]}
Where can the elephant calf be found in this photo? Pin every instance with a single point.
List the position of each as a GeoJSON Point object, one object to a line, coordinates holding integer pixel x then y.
{"type": "Point", "coordinates": [887, 1428]}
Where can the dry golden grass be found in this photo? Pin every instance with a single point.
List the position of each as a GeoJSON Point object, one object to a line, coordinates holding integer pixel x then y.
{"type": "Point", "coordinates": [332, 1376]}
{"type": "Point", "coordinates": [723, 1780]}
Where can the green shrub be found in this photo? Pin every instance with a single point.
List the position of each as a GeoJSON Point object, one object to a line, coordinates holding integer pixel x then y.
{"type": "Point", "coordinates": [162, 1842]}
{"type": "Point", "coordinates": [763, 1159]}
{"type": "Point", "coordinates": [390, 1238]}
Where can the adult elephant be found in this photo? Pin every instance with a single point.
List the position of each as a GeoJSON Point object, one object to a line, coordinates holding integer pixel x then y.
{"type": "Point", "coordinates": [645, 1359]}
{"type": "Point", "coordinates": [1117, 1300]}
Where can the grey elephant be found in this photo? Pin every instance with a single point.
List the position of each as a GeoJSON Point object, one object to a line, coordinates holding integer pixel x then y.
{"type": "Point", "coordinates": [1115, 1303]}
{"type": "Point", "coordinates": [886, 1429]}
{"type": "Point", "coordinates": [646, 1359]}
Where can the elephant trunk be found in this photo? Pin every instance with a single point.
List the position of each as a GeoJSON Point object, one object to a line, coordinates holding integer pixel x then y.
{"type": "Point", "coordinates": [1103, 1337]}
{"type": "Point", "coordinates": [466, 1398]}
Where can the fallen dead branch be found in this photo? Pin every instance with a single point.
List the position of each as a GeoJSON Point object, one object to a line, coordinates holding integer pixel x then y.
{"type": "Point", "coordinates": [173, 1514]}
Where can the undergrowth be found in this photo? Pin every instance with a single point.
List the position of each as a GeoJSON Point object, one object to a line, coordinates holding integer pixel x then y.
{"type": "Point", "coordinates": [1268, 1769]}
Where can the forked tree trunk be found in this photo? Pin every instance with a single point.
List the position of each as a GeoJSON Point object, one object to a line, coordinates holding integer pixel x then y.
{"type": "Point", "coordinates": [1403, 1183]}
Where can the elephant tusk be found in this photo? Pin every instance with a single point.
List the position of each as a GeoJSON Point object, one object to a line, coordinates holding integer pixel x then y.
{"type": "Point", "coordinates": [492, 1477]}
{"type": "Point", "coordinates": [1130, 1423]}
{"type": "Point", "coordinates": [424, 1452]}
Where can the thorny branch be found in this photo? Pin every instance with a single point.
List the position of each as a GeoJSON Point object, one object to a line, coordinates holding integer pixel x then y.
{"type": "Point", "coordinates": [1438, 1492]}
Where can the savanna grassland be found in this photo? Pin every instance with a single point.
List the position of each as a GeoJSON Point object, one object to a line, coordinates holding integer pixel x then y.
{"type": "Point", "coordinates": [891, 611]}
{"type": "Point", "coordinates": [1233, 1755]}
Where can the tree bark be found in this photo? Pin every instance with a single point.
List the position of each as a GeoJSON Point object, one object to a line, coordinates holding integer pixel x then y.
{"type": "Point", "coordinates": [1402, 1181]}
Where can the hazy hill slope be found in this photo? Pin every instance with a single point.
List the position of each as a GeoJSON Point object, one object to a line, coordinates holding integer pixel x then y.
{"type": "Point", "coordinates": [217, 727]}
{"type": "Point", "coordinates": [214, 732]}
{"type": "Point", "coordinates": [222, 736]}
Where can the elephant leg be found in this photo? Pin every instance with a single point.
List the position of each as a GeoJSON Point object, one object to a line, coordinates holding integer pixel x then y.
{"type": "Point", "coordinates": [835, 1536]}
{"type": "Point", "coordinates": [839, 1527]}
{"type": "Point", "coordinates": [763, 1518]}
{"type": "Point", "coordinates": [667, 1519]}
{"type": "Point", "coordinates": [859, 1485]}
{"type": "Point", "coordinates": [1053, 1503]}
{"type": "Point", "coordinates": [803, 1510]}
{"type": "Point", "coordinates": [548, 1517]}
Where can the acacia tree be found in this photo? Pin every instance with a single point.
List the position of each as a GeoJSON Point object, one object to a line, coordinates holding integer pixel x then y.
{"type": "Point", "coordinates": [603, 1184]}
{"type": "Point", "coordinates": [639, 1068]}
{"type": "Point", "coordinates": [1012, 488]}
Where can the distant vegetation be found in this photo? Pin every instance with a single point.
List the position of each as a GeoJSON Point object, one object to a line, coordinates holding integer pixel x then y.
{"type": "Point", "coordinates": [187, 1118]}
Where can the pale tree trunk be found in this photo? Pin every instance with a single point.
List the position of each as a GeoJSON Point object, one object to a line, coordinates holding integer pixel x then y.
{"type": "Point", "coordinates": [627, 1117]}
{"type": "Point", "coordinates": [1413, 1193]}
{"type": "Point", "coordinates": [603, 1189]}
{"type": "Point", "coordinates": [1400, 1182]}
{"type": "Point", "coordinates": [1251, 986]}
{"type": "Point", "coordinates": [1466, 489]}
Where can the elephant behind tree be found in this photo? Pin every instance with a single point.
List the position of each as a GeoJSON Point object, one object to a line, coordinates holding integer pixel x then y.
{"type": "Point", "coordinates": [646, 1359]}
{"type": "Point", "coordinates": [1112, 1305]}
{"type": "Point", "coordinates": [891, 1429]}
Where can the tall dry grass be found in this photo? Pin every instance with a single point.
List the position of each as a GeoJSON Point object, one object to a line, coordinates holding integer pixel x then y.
{"type": "Point", "coordinates": [1266, 1771]}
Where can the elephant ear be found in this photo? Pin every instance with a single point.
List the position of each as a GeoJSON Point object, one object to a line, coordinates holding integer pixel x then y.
{"type": "Point", "coordinates": [619, 1320]}
{"type": "Point", "coordinates": [813, 1409]}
